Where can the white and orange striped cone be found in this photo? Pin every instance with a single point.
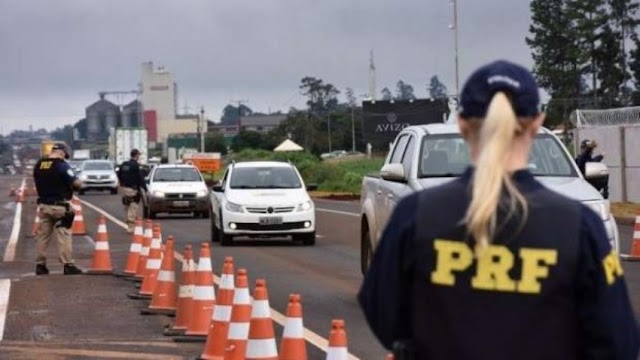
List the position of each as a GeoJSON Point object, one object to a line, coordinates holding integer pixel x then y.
{"type": "Point", "coordinates": [131, 268]}
{"type": "Point", "coordinates": [337, 342]}
{"type": "Point", "coordinates": [634, 254]}
{"type": "Point", "coordinates": [214, 348]}
{"type": "Point", "coordinates": [144, 250]}
{"type": "Point", "coordinates": [236, 347]}
{"type": "Point", "coordinates": [101, 264]}
{"type": "Point", "coordinates": [185, 295]}
{"type": "Point", "coordinates": [153, 263]}
{"type": "Point", "coordinates": [78, 227]}
{"type": "Point", "coordinates": [204, 296]}
{"type": "Point", "coordinates": [293, 346]}
{"type": "Point", "coordinates": [262, 341]}
{"type": "Point", "coordinates": [165, 297]}
{"type": "Point", "coordinates": [36, 222]}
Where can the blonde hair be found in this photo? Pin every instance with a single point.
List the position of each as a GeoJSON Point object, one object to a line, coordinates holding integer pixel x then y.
{"type": "Point", "coordinates": [491, 175]}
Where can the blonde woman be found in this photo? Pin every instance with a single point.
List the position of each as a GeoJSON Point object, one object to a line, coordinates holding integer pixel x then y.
{"type": "Point", "coordinates": [493, 265]}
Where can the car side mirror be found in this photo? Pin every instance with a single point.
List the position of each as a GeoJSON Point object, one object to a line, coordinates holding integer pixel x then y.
{"type": "Point", "coordinates": [218, 188]}
{"type": "Point", "coordinates": [147, 180]}
{"type": "Point", "coordinates": [595, 170]}
{"type": "Point", "coordinates": [393, 172]}
{"type": "Point", "coordinates": [312, 187]}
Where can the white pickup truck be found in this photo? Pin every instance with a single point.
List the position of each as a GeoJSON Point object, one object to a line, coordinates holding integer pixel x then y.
{"type": "Point", "coordinates": [428, 155]}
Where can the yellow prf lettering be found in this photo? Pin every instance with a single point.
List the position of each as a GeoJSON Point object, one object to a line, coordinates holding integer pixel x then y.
{"type": "Point", "coordinates": [45, 165]}
{"type": "Point", "coordinates": [451, 256]}
{"type": "Point", "coordinates": [492, 270]}
{"type": "Point", "coordinates": [612, 267]}
{"type": "Point", "coordinates": [533, 270]}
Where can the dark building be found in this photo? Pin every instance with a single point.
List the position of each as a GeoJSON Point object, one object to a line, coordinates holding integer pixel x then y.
{"type": "Point", "coordinates": [131, 114]}
{"type": "Point", "coordinates": [101, 117]}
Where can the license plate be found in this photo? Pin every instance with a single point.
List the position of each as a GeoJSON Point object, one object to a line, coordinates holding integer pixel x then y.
{"type": "Point", "coordinates": [181, 204]}
{"type": "Point", "coordinates": [271, 220]}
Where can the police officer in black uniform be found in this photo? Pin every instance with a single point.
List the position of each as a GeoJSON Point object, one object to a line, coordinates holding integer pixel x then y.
{"type": "Point", "coordinates": [601, 183]}
{"type": "Point", "coordinates": [55, 182]}
{"type": "Point", "coordinates": [131, 182]}
{"type": "Point", "coordinates": [493, 265]}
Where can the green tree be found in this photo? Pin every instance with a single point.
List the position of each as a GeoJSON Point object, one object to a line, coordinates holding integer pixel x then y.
{"type": "Point", "coordinates": [404, 91]}
{"type": "Point", "coordinates": [215, 142]}
{"type": "Point", "coordinates": [230, 113]}
{"type": "Point", "coordinates": [386, 94]}
{"type": "Point", "coordinates": [321, 96]}
{"type": "Point", "coordinates": [247, 139]}
{"type": "Point", "coordinates": [609, 60]}
{"type": "Point", "coordinates": [436, 89]}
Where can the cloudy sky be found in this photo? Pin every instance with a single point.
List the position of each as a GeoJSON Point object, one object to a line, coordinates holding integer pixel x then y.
{"type": "Point", "coordinates": [55, 56]}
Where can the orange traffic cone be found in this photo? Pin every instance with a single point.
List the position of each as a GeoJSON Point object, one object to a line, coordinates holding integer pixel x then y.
{"type": "Point", "coordinates": [337, 342]}
{"type": "Point", "coordinates": [204, 297]}
{"type": "Point", "coordinates": [36, 223]}
{"type": "Point", "coordinates": [101, 264]}
{"type": "Point", "coordinates": [185, 295]}
{"type": "Point", "coordinates": [262, 340]}
{"type": "Point", "coordinates": [293, 345]}
{"type": "Point", "coordinates": [240, 319]}
{"type": "Point", "coordinates": [144, 251]}
{"type": "Point", "coordinates": [78, 227]}
{"type": "Point", "coordinates": [134, 250]}
{"type": "Point", "coordinates": [154, 262]}
{"type": "Point", "coordinates": [20, 195]}
{"type": "Point", "coordinates": [34, 191]}
{"type": "Point", "coordinates": [165, 298]}
{"type": "Point", "coordinates": [634, 255]}
{"type": "Point", "coordinates": [219, 327]}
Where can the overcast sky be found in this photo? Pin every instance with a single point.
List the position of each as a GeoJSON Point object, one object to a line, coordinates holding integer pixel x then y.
{"type": "Point", "coordinates": [55, 56]}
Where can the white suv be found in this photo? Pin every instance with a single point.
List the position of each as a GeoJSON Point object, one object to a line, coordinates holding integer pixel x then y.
{"type": "Point", "coordinates": [262, 199]}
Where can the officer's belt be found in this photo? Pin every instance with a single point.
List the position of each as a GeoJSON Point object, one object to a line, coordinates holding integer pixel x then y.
{"type": "Point", "coordinates": [54, 203]}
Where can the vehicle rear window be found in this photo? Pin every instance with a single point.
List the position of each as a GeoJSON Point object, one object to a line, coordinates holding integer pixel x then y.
{"type": "Point", "coordinates": [176, 175]}
{"type": "Point", "coordinates": [264, 178]}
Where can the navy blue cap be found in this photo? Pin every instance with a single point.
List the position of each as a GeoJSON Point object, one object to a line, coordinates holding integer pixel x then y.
{"type": "Point", "coordinates": [516, 81]}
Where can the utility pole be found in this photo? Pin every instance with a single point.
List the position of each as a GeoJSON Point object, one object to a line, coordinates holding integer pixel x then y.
{"type": "Point", "coordinates": [329, 125]}
{"type": "Point", "coordinates": [353, 131]}
{"type": "Point", "coordinates": [454, 27]}
{"type": "Point", "coordinates": [203, 129]}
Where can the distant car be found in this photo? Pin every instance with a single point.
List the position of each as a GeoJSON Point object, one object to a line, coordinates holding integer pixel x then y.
{"type": "Point", "coordinates": [176, 189]}
{"type": "Point", "coordinates": [333, 154]}
{"type": "Point", "coordinates": [262, 199]}
{"type": "Point", "coordinates": [76, 165]}
{"type": "Point", "coordinates": [97, 175]}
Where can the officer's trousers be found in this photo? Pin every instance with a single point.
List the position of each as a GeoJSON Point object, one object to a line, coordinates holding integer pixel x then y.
{"type": "Point", "coordinates": [131, 210]}
{"type": "Point", "coordinates": [49, 216]}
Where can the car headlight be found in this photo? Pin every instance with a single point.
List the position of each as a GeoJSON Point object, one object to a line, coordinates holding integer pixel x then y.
{"type": "Point", "coordinates": [600, 207]}
{"type": "Point", "coordinates": [307, 205]}
{"type": "Point", "coordinates": [83, 177]}
{"type": "Point", "coordinates": [158, 194]}
{"type": "Point", "coordinates": [201, 193]}
{"type": "Point", "coordinates": [233, 207]}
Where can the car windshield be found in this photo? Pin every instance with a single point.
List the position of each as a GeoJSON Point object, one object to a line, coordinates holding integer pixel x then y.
{"type": "Point", "coordinates": [264, 178]}
{"type": "Point", "coordinates": [176, 175]}
{"type": "Point", "coordinates": [448, 155]}
{"type": "Point", "coordinates": [97, 166]}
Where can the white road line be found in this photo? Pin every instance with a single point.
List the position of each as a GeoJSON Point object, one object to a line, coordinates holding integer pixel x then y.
{"type": "Point", "coordinates": [89, 239]}
{"type": "Point", "coordinates": [10, 250]}
{"type": "Point", "coordinates": [312, 337]}
{"type": "Point", "coordinates": [5, 290]}
{"type": "Point", "coordinates": [338, 212]}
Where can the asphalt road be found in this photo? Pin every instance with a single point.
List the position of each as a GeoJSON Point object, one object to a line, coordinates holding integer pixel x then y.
{"type": "Point", "coordinates": [90, 316]}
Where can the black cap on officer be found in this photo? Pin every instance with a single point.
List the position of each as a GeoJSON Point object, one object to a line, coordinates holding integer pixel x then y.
{"type": "Point", "coordinates": [505, 76]}
{"type": "Point", "coordinates": [61, 147]}
{"type": "Point", "coordinates": [135, 152]}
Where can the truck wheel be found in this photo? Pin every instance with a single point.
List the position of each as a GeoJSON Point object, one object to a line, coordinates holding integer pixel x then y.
{"type": "Point", "coordinates": [365, 250]}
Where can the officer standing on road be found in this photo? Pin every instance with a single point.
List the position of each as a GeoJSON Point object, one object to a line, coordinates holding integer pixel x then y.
{"type": "Point", "coordinates": [55, 182]}
{"type": "Point", "coordinates": [131, 181]}
{"type": "Point", "coordinates": [493, 265]}
{"type": "Point", "coordinates": [586, 155]}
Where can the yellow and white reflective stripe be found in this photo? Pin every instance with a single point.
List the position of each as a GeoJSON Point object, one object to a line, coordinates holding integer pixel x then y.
{"type": "Point", "coordinates": [203, 293]}
{"type": "Point", "coordinates": [153, 264]}
{"type": "Point", "coordinates": [221, 313]}
{"type": "Point", "coordinates": [239, 331]}
{"type": "Point", "coordinates": [260, 309]}
{"type": "Point", "coordinates": [168, 276]}
{"type": "Point", "coordinates": [241, 297]}
{"type": "Point", "coordinates": [262, 348]}
{"type": "Point", "coordinates": [102, 245]}
{"type": "Point", "coordinates": [293, 328]}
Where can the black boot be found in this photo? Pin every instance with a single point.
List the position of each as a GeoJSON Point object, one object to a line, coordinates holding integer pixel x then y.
{"type": "Point", "coordinates": [71, 269]}
{"type": "Point", "coordinates": [41, 269]}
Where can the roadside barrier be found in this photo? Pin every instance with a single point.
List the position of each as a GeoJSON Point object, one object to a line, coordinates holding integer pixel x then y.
{"type": "Point", "coordinates": [131, 267]}
{"type": "Point", "coordinates": [185, 295]}
{"type": "Point", "coordinates": [101, 264]}
{"type": "Point", "coordinates": [236, 346]}
{"type": "Point", "coordinates": [214, 348]}
{"type": "Point", "coordinates": [204, 297]}
{"type": "Point", "coordinates": [337, 342]}
{"type": "Point", "coordinates": [293, 345]}
{"type": "Point", "coordinates": [262, 341]}
{"type": "Point", "coordinates": [165, 297]}
{"type": "Point", "coordinates": [634, 254]}
{"type": "Point", "coordinates": [78, 227]}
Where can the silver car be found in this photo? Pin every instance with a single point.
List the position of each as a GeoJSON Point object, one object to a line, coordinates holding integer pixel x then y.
{"type": "Point", "coordinates": [98, 175]}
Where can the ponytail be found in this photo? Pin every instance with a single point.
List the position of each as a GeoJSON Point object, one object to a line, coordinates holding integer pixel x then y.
{"type": "Point", "coordinates": [491, 175]}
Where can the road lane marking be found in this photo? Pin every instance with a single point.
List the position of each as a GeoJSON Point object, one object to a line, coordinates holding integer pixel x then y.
{"type": "Point", "coordinates": [338, 212]}
{"type": "Point", "coordinates": [89, 240]}
{"type": "Point", "coordinates": [312, 337]}
{"type": "Point", "coordinates": [5, 289]}
{"type": "Point", "coordinates": [10, 251]}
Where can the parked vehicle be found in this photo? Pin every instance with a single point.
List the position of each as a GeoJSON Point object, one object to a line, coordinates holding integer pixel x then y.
{"type": "Point", "coordinates": [123, 140]}
{"type": "Point", "coordinates": [97, 175]}
{"type": "Point", "coordinates": [176, 189]}
{"type": "Point", "coordinates": [262, 199]}
{"type": "Point", "coordinates": [429, 155]}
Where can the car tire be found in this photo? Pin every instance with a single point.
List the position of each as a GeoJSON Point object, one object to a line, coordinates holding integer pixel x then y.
{"type": "Point", "coordinates": [205, 214]}
{"type": "Point", "coordinates": [225, 240]}
{"type": "Point", "coordinates": [215, 235]}
{"type": "Point", "coordinates": [366, 252]}
{"type": "Point", "coordinates": [306, 239]}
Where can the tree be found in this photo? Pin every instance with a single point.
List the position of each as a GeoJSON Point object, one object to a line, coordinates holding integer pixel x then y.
{"type": "Point", "coordinates": [247, 139]}
{"type": "Point", "coordinates": [609, 61]}
{"type": "Point", "coordinates": [230, 113]}
{"type": "Point", "coordinates": [437, 90]}
{"type": "Point", "coordinates": [386, 94]}
{"type": "Point", "coordinates": [351, 98]}
{"type": "Point", "coordinates": [321, 97]}
{"type": "Point", "coordinates": [215, 142]}
{"type": "Point", "coordinates": [634, 64]}
{"type": "Point", "coordinates": [404, 91]}
{"type": "Point", "coordinates": [623, 19]}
